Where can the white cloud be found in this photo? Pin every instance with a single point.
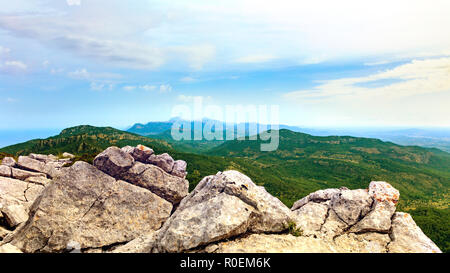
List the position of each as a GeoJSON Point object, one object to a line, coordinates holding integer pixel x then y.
{"type": "Point", "coordinates": [73, 2]}
{"type": "Point", "coordinates": [17, 65]}
{"type": "Point", "coordinates": [188, 79]}
{"type": "Point", "coordinates": [97, 86]}
{"type": "Point", "coordinates": [129, 88]}
{"type": "Point", "coordinates": [165, 88]}
{"type": "Point", "coordinates": [145, 87]}
{"type": "Point", "coordinates": [405, 93]}
{"type": "Point", "coordinates": [84, 74]}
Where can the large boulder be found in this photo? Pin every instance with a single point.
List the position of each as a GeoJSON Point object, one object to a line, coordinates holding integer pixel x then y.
{"type": "Point", "coordinates": [351, 205]}
{"type": "Point", "coordinates": [179, 168]}
{"type": "Point", "coordinates": [28, 163]}
{"type": "Point", "coordinates": [164, 161]}
{"type": "Point", "coordinates": [5, 171]}
{"type": "Point", "coordinates": [23, 174]}
{"type": "Point", "coordinates": [310, 217]}
{"type": "Point", "coordinates": [8, 161]}
{"type": "Point", "coordinates": [222, 206]}
{"type": "Point", "coordinates": [113, 161]}
{"type": "Point", "coordinates": [408, 237]}
{"type": "Point", "coordinates": [86, 206]}
{"type": "Point", "coordinates": [169, 187]}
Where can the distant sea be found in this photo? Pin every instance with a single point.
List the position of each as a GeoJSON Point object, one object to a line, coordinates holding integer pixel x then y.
{"type": "Point", "coordinates": [10, 137]}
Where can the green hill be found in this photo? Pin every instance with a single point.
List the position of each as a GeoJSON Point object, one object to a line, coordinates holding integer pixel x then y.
{"type": "Point", "coordinates": [308, 163]}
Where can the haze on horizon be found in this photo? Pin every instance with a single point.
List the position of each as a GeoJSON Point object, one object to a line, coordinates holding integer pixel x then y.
{"type": "Point", "coordinates": [325, 63]}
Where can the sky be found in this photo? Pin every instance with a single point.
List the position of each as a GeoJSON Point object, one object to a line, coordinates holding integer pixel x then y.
{"type": "Point", "coordinates": [325, 63]}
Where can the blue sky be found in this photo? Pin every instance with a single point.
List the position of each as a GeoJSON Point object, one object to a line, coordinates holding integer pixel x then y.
{"type": "Point", "coordinates": [328, 63]}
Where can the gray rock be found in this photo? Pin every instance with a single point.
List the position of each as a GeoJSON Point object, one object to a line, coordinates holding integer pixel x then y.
{"type": "Point", "coordinates": [220, 207]}
{"type": "Point", "coordinates": [68, 155]}
{"type": "Point", "coordinates": [15, 214]}
{"type": "Point", "coordinates": [179, 168]}
{"type": "Point", "coordinates": [140, 153]}
{"type": "Point", "coordinates": [153, 178]}
{"type": "Point", "coordinates": [9, 161]}
{"type": "Point", "coordinates": [17, 192]}
{"type": "Point", "coordinates": [43, 158]}
{"type": "Point", "coordinates": [31, 164]}
{"type": "Point", "coordinates": [87, 206]}
{"type": "Point", "coordinates": [142, 244]}
{"type": "Point", "coordinates": [5, 171]}
{"type": "Point", "coordinates": [407, 237]}
{"type": "Point", "coordinates": [113, 161]}
{"type": "Point", "coordinates": [22, 174]}
{"type": "Point", "coordinates": [378, 219]}
{"type": "Point", "coordinates": [317, 196]}
{"type": "Point", "coordinates": [351, 205]}
{"type": "Point", "coordinates": [164, 161]}
{"type": "Point", "coordinates": [310, 218]}
{"type": "Point", "coordinates": [40, 180]}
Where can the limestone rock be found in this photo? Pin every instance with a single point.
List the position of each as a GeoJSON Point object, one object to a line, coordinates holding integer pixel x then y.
{"type": "Point", "coordinates": [43, 158]}
{"type": "Point", "coordinates": [28, 163]}
{"type": "Point", "coordinates": [383, 192]}
{"type": "Point", "coordinates": [351, 205]}
{"type": "Point", "coordinates": [142, 244]}
{"type": "Point", "coordinates": [22, 174]}
{"type": "Point", "coordinates": [5, 171]}
{"type": "Point", "coordinates": [317, 196]}
{"type": "Point", "coordinates": [87, 206]}
{"type": "Point", "coordinates": [68, 155]}
{"type": "Point", "coordinates": [15, 214]}
{"type": "Point", "coordinates": [407, 237]}
{"type": "Point", "coordinates": [378, 219]}
{"type": "Point", "coordinates": [9, 161]}
{"type": "Point", "coordinates": [169, 187]}
{"type": "Point", "coordinates": [310, 217]}
{"type": "Point", "coordinates": [371, 242]}
{"type": "Point", "coordinates": [220, 207]}
{"type": "Point", "coordinates": [179, 168]}
{"type": "Point", "coordinates": [113, 161]}
{"type": "Point", "coordinates": [140, 153]}
{"type": "Point", "coordinates": [9, 248]}
{"type": "Point", "coordinates": [164, 161]}
{"type": "Point", "coordinates": [274, 243]}
{"type": "Point", "coordinates": [40, 180]}
{"type": "Point", "coordinates": [17, 192]}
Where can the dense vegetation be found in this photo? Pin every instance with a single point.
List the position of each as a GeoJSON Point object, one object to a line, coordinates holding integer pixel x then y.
{"type": "Point", "coordinates": [301, 165]}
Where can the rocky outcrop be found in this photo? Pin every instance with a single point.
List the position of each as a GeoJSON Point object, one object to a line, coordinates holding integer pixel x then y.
{"type": "Point", "coordinates": [126, 164]}
{"type": "Point", "coordinates": [87, 206]}
{"type": "Point", "coordinates": [360, 220]}
{"type": "Point", "coordinates": [132, 200]}
{"type": "Point", "coordinates": [224, 205]}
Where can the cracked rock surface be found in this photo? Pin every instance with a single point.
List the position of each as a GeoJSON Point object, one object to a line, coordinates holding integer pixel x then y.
{"type": "Point", "coordinates": [222, 206]}
{"type": "Point", "coordinates": [87, 206]}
